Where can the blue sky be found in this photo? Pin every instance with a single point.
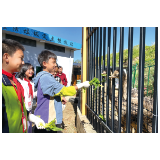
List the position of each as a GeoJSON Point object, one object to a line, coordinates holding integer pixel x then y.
{"type": "Point", "coordinates": [75, 34]}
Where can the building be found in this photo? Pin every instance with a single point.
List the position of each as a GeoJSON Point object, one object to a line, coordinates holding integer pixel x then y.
{"type": "Point", "coordinates": [35, 41]}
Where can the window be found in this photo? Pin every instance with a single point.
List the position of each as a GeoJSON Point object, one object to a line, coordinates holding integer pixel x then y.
{"type": "Point", "coordinates": [24, 41]}
{"type": "Point", "coordinates": [54, 47]}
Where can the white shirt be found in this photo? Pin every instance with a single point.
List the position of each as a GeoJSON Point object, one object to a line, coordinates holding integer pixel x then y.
{"type": "Point", "coordinates": [28, 98]}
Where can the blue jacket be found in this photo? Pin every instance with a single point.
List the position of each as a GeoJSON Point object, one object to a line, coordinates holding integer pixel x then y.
{"type": "Point", "coordinates": [47, 87]}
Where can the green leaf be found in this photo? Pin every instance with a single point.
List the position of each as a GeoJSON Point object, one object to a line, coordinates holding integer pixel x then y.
{"type": "Point", "coordinates": [51, 126]}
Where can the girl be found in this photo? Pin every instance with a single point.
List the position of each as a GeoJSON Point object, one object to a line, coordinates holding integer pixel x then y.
{"type": "Point", "coordinates": [24, 77]}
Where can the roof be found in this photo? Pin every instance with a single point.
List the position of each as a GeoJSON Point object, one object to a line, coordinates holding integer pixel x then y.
{"type": "Point", "coordinates": [45, 37]}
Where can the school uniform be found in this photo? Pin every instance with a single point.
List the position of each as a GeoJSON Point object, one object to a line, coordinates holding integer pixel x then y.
{"type": "Point", "coordinates": [28, 98]}
{"type": "Point", "coordinates": [14, 113]}
{"type": "Point", "coordinates": [48, 89]}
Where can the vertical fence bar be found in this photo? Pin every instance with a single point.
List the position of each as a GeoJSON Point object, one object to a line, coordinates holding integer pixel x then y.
{"type": "Point", "coordinates": [97, 70]}
{"type": "Point", "coordinates": [155, 103]}
{"type": "Point", "coordinates": [88, 70]}
{"type": "Point", "coordinates": [113, 79]}
{"type": "Point", "coordinates": [129, 79]}
{"type": "Point", "coordinates": [90, 73]}
{"type": "Point", "coordinates": [97, 63]}
{"type": "Point", "coordinates": [108, 73]}
{"type": "Point", "coordinates": [141, 80]}
{"type": "Point", "coordinates": [100, 56]}
{"type": "Point", "coordinates": [92, 102]}
{"type": "Point", "coordinates": [120, 78]}
{"type": "Point", "coordinates": [94, 73]}
{"type": "Point", "coordinates": [104, 52]}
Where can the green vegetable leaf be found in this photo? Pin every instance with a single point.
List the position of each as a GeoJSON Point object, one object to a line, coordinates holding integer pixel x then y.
{"type": "Point", "coordinates": [51, 126]}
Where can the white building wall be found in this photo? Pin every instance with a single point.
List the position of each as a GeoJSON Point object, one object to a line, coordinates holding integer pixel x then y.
{"type": "Point", "coordinates": [63, 59]}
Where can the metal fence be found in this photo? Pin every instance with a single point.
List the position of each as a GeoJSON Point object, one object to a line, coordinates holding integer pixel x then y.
{"type": "Point", "coordinates": [107, 109]}
{"type": "Point", "coordinates": [148, 80]}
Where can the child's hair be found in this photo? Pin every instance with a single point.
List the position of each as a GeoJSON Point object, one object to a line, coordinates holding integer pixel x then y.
{"type": "Point", "coordinates": [60, 67]}
{"type": "Point", "coordinates": [11, 46]}
{"type": "Point", "coordinates": [45, 55]}
{"type": "Point", "coordinates": [24, 68]}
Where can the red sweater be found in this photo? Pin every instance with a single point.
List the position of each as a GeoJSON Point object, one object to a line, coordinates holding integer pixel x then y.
{"type": "Point", "coordinates": [63, 78]}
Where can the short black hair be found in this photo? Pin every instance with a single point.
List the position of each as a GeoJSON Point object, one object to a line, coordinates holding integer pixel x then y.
{"type": "Point", "coordinates": [24, 68]}
{"type": "Point", "coordinates": [60, 67]}
{"type": "Point", "coordinates": [11, 46]}
{"type": "Point", "coordinates": [45, 55]}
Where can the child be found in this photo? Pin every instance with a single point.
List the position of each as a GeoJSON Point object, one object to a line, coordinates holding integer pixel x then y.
{"type": "Point", "coordinates": [14, 114]}
{"type": "Point", "coordinates": [48, 87]}
{"type": "Point", "coordinates": [24, 77]}
{"type": "Point", "coordinates": [54, 73]}
{"type": "Point", "coordinates": [62, 76]}
{"type": "Point", "coordinates": [59, 80]}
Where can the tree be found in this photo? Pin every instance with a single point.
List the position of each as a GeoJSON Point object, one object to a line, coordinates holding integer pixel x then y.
{"type": "Point", "coordinates": [77, 61]}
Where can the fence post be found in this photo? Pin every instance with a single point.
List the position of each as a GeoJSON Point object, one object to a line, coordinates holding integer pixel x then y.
{"type": "Point", "coordinates": [129, 79]}
{"type": "Point", "coordinates": [113, 80]}
{"type": "Point", "coordinates": [155, 103]}
{"type": "Point", "coordinates": [84, 68]}
{"type": "Point", "coordinates": [141, 80]}
{"type": "Point", "coordinates": [108, 73]}
{"type": "Point", "coordinates": [120, 78]}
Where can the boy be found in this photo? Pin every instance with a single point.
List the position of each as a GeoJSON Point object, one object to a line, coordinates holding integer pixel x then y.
{"type": "Point", "coordinates": [56, 77]}
{"type": "Point", "coordinates": [62, 76]}
{"type": "Point", "coordinates": [48, 87]}
{"type": "Point", "coordinates": [14, 114]}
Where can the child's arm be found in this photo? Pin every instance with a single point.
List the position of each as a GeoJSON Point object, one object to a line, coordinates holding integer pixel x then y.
{"type": "Point", "coordinates": [52, 88]}
{"type": "Point", "coordinates": [71, 91]}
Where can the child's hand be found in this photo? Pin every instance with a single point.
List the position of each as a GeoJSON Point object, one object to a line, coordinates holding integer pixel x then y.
{"type": "Point", "coordinates": [37, 121]}
{"type": "Point", "coordinates": [86, 84]}
{"type": "Point", "coordinates": [64, 101]}
{"type": "Point", "coordinates": [83, 85]}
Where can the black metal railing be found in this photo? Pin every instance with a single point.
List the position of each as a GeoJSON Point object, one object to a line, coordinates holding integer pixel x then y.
{"type": "Point", "coordinates": [107, 109]}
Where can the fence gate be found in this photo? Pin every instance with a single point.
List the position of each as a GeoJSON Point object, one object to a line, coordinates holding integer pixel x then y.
{"type": "Point", "coordinates": [126, 108]}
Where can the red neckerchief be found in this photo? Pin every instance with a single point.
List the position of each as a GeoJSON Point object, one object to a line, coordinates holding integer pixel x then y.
{"type": "Point", "coordinates": [30, 87]}
{"type": "Point", "coordinates": [19, 90]}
